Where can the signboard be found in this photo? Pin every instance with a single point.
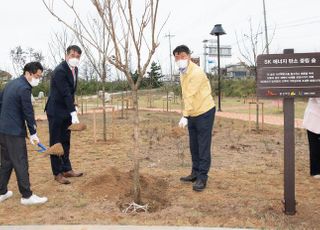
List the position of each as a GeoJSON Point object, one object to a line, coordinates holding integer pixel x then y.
{"type": "Point", "coordinates": [288, 75]}
{"type": "Point", "coordinates": [225, 51]}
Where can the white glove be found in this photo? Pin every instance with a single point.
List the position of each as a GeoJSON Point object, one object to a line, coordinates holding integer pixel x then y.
{"type": "Point", "coordinates": [75, 119]}
{"type": "Point", "coordinates": [34, 139]}
{"type": "Point", "coordinates": [183, 122]}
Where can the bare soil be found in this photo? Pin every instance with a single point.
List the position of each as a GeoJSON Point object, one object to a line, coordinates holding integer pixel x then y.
{"type": "Point", "coordinates": [245, 187]}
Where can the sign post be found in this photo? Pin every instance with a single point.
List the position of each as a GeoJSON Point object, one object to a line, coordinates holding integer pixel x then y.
{"type": "Point", "coordinates": [289, 153]}
{"type": "Point", "coordinates": [287, 76]}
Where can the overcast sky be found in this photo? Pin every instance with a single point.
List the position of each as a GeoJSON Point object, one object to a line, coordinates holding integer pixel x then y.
{"type": "Point", "coordinates": [296, 24]}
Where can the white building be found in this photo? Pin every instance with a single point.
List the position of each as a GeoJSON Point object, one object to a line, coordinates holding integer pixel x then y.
{"type": "Point", "coordinates": [210, 55]}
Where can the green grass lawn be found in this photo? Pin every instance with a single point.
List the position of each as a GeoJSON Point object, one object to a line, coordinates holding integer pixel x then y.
{"type": "Point", "coordinates": [271, 107]}
{"type": "Point", "coordinates": [158, 98]}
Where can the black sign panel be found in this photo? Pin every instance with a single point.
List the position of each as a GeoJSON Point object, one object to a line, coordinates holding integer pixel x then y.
{"type": "Point", "coordinates": [288, 75]}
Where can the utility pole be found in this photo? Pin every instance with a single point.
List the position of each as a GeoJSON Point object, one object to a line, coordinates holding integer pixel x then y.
{"type": "Point", "coordinates": [267, 51]}
{"type": "Point", "coordinates": [265, 26]}
{"type": "Point", "coordinates": [169, 36]}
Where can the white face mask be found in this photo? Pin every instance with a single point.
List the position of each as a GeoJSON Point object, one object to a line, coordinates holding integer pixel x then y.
{"type": "Point", "coordinates": [182, 65]}
{"type": "Point", "coordinates": [74, 62]}
{"type": "Point", "coordinates": [34, 82]}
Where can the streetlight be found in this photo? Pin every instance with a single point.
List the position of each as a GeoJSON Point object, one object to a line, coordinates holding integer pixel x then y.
{"type": "Point", "coordinates": [217, 31]}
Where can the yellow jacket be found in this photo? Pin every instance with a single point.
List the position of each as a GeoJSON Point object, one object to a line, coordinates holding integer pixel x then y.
{"type": "Point", "coordinates": [196, 91]}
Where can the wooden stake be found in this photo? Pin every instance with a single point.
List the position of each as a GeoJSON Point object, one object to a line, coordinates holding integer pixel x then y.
{"type": "Point", "coordinates": [94, 127]}
{"type": "Point", "coordinates": [87, 105]}
{"type": "Point", "coordinates": [81, 104]}
{"type": "Point", "coordinates": [249, 116]}
{"type": "Point", "coordinates": [112, 123]}
{"type": "Point", "coordinates": [262, 119]}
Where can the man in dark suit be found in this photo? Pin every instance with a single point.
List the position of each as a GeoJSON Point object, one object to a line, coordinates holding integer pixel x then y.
{"type": "Point", "coordinates": [61, 112]}
{"type": "Point", "coordinates": [16, 110]}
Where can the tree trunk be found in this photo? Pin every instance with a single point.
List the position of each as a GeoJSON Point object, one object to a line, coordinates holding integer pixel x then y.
{"type": "Point", "coordinates": [136, 158]}
{"type": "Point", "coordinates": [104, 78]}
{"type": "Point", "coordinates": [257, 114]}
{"type": "Point", "coordinates": [149, 99]}
{"type": "Point", "coordinates": [104, 113]}
{"type": "Point", "coordinates": [122, 104]}
{"type": "Point", "coordinates": [167, 100]}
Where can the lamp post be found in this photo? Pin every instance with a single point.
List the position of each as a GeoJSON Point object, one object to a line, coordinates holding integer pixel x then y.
{"type": "Point", "coordinates": [217, 31]}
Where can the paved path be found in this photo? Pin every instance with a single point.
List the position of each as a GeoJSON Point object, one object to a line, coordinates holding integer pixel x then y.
{"type": "Point", "coordinates": [268, 119]}
{"type": "Point", "coordinates": [105, 227]}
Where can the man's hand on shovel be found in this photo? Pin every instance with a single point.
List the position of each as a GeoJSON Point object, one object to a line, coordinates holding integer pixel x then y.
{"type": "Point", "coordinates": [34, 139]}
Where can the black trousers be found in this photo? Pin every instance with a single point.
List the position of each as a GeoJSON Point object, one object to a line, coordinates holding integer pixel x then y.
{"type": "Point", "coordinates": [58, 130]}
{"type": "Point", "coordinates": [314, 149]}
{"type": "Point", "coordinates": [14, 156]}
{"type": "Point", "coordinates": [200, 134]}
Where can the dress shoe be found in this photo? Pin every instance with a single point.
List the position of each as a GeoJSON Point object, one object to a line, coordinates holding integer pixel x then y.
{"type": "Point", "coordinates": [71, 173]}
{"type": "Point", "coordinates": [61, 179]}
{"type": "Point", "coordinates": [200, 185]}
{"type": "Point", "coordinates": [190, 178]}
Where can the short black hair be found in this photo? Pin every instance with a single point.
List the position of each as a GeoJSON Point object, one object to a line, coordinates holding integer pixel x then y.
{"type": "Point", "coordinates": [74, 48]}
{"type": "Point", "coordinates": [180, 49]}
{"type": "Point", "coordinates": [32, 67]}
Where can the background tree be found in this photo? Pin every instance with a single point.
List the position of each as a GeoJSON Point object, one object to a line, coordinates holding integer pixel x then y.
{"type": "Point", "coordinates": [250, 46]}
{"type": "Point", "coordinates": [20, 57]}
{"type": "Point", "coordinates": [58, 45]}
{"type": "Point", "coordinates": [133, 31]}
{"type": "Point", "coordinates": [88, 72]}
{"type": "Point", "coordinates": [4, 78]}
{"type": "Point", "coordinates": [97, 58]}
{"type": "Point", "coordinates": [153, 79]}
{"type": "Point", "coordinates": [92, 36]}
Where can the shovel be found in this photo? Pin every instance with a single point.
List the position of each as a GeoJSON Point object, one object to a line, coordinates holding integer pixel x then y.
{"type": "Point", "coordinates": [55, 149]}
{"type": "Point", "coordinates": [77, 127]}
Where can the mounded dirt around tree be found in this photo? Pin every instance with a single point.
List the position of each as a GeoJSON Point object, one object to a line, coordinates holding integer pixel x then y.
{"type": "Point", "coordinates": [116, 185]}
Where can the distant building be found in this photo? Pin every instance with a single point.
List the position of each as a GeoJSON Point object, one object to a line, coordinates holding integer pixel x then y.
{"type": "Point", "coordinates": [214, 71]}
{"type": "Point", "coordinates": [196, 60]}
{"type": "Point", "coordinates": [210, 55]}
{"type": "Point", "coordinates": [238, 70]}
{"type": "Point", "coordinates": [211, 48]}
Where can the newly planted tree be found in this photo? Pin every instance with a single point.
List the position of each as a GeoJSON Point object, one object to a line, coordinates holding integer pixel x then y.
{"type": "Point", "coordinates": [133, 32]}
{"type": "Point", "coordinates": [250, 46]}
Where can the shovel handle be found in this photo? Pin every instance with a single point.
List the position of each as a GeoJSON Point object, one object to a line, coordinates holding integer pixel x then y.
{"type": "Point", "coordinates": [43, 148]}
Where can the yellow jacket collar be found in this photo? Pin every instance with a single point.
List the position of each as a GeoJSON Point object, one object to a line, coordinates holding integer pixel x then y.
{"type": "Point", "coordinates": [189, 68]}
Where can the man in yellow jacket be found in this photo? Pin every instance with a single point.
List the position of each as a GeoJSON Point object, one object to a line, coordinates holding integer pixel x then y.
{"type": "Point", "coordinates": [198, 115]}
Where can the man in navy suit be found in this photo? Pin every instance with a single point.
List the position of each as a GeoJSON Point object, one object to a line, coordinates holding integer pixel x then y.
{"type": "Point", "coordinates": [61, 112]}
{"type": "Point", "coordinates": [16, 111]}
